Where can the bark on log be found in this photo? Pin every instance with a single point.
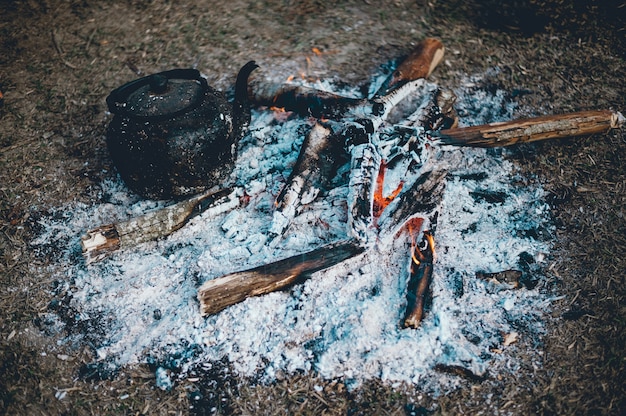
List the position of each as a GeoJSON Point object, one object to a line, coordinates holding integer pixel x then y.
{"type": "Point", "coordinates": [222, 292]}
{"type": "Point", "coordinates": [102, 241]}
{"type": "Point", "coordinates": [532, 129]}
{"type": "Point", "coordinates": [309, 102]}
{"type": "Point", "coordinates": [420, 63]}
{"type": "Point", "coordinates": [419, 281]}
{"type": "Point", "coordinates": [311, 174]}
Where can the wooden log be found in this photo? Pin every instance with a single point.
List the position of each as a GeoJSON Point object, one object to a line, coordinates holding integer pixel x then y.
{"type": "Point", "coordinates": [421, 273]}
{"type": "Point", "coordinates": [102, 241]}
{"type": "Point", "coordinates": [217, 294]}
{"type": "Point", "coordinates": [532, 129]}
{"type": "Point", "coordinates": [420, 63]}
{"type": "Point", "coordinates": [315, 167]}
{"type": "Point", "coordinates": [364, 167]}
{"type": "Point", "coordinates": [420, 199]}
{"type": "Point", "coordinates": [309, 102]}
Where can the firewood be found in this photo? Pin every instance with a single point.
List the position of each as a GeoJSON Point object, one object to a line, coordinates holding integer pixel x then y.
{"type": "Point", "coordinates": [420, 199]}
{"type": "Point", "coordinates": [364, 168]}
{"type": "Point", "coordinates": [532, 129]}
{"type": "Point", "coordinates": [310, 102]}
{"type": "Point", "coordinates": [222, 292]}
{"type": "Point", "coordinates": [509, 277]}
{"type": "Point", "coordinates": [420, 63]}
{"type": "Point", "coordinates": [304, 101]}
{"type": "Point", "coordinates": [421, 273]}
{"type": "Point", "coordinates": [310, 175]}
{"type": "Point", "coordinates": [102, 241]}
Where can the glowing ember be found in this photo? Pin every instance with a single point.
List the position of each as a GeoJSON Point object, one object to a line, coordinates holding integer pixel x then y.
{"type": "Point", "coordinates": [381, 202]}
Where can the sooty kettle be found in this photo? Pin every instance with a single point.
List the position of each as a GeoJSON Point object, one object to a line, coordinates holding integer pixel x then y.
{"type": "Point", "coordinates": [172, 135]}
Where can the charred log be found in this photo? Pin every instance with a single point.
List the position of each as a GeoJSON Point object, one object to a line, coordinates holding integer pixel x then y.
{"type": "Point", "coordinates": [421, 273]}
{"type": "Point", "coordinates": [364, 168]}
{"type": "Point", "coordinates": [314, 169]}
{"type": "Point", "coordinates": [420, 199]}
{"type": "Point", "coordinates": [508, 277]}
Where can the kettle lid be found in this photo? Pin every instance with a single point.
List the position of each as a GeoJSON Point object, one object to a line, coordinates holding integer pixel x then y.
{"type": "Point", "coordinates": [159, 96]}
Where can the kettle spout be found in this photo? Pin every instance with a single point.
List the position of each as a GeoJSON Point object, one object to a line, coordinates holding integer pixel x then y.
{"type": "Point", "coordinates": [241, 104]}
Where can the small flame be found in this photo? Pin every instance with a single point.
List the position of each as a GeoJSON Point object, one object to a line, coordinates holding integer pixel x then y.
{"type": "Point", "coordinates": [290, 78]}
{"type": "Point", "coordinates": [381, 202]}
{"type": "Point", "coordinates": [316, 51]}
{"type": "Point", "coordinates": [414, 226]}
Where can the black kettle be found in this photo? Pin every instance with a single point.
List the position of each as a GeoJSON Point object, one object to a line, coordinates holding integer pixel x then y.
{"type": "Point", "coordinates": [172, 135]}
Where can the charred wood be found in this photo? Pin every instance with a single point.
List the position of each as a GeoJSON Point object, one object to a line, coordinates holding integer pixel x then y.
{"type": "Point", "coordinates": [420, 199]}
{"type": "Point", "coordinates": [421, 273]}
{"type": "Point", "coordinates": [364, 168]}
{"type": "Point", "coordinates": [314, 169]}
{"type": "Point", "coordinates": [304, 101]}
{"type": "Point", "coordinates": [508, 277]}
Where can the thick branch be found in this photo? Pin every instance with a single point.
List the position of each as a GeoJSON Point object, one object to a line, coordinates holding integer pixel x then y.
{"type": "Point", "coordinates": [102, 241]}
{"type": "Point", "coordinates": [222, 292]}
{"type": "Point", "coordinates": [533, 129]}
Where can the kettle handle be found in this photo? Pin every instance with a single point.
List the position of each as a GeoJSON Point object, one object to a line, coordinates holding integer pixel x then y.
{"type": "Point", "coordinates": [121, 94]}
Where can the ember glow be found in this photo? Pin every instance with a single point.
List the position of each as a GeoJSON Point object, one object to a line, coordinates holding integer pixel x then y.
{"type": "Point", "coordinates": [344, 321]}
{"type": "Point", "coordinates": [381, 202]}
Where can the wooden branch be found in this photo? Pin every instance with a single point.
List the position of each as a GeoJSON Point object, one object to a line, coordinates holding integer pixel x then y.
{"type": "Point", "coordinates": [532, 129]}
{"type": "Point", "coordinates": [419, 281]}
{"type": "Point", "coordinates": [315, 167]}
{"type": "Point", "coordinates": [309, 102]}
{"type": "Point", "coordinates": [222, 292]}
{"type": "Point", "coordinates": [420, 63]}
{"type": "Point", "coordinates": [104, 240]}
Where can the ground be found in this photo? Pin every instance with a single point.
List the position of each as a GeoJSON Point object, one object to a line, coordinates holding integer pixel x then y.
{"type": "Point", "coordinates": [60, 59]}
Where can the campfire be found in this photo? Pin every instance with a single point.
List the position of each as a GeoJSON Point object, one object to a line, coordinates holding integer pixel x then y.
{"type": "Point", "coordinates": [368, 196]}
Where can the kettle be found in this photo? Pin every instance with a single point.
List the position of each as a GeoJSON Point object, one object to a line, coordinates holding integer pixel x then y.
{"type": "Point", "coordinates": [172, 135]}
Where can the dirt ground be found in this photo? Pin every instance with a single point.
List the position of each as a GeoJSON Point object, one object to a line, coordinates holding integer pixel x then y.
{"type": "Point", "coordinates": [60, 59]}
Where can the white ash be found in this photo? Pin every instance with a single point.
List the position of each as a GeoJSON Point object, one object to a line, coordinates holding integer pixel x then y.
{"type": "Point", "coordinates": [344, 322]}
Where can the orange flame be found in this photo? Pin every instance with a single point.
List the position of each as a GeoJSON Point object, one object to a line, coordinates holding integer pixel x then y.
{"type": "Point", "coordinates": [381, 202]}
{"type": "Point", "coordinates": [316, 51]}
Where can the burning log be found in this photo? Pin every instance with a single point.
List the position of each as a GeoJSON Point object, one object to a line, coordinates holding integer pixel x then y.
{"type": "Point", "coordinates": [419, 200]}
{"type": "Point", "coordinates": [106, 239]}
{"type": "Point", "coordinates": [309, 102]}
{"type": "Point", "coordinates": [532, 129]}
{"type": "Point", "coordinates": [364, 167]}
{"type": "Point", "coordinates": [310, 175]}
{"type": "Point", "coordinates": [222, 292]}
{"type": "Point", "coordinates": [421, 273]}
{"type": "Point", "coordinates": [318, 153]}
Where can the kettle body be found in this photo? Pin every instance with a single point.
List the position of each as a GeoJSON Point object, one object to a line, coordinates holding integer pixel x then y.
{"type": "Point", "coordinates": [172, 135]}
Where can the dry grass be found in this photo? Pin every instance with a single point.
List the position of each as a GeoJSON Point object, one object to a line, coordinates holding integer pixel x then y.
{"type": "Point", "coordinates": [59, 60]}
